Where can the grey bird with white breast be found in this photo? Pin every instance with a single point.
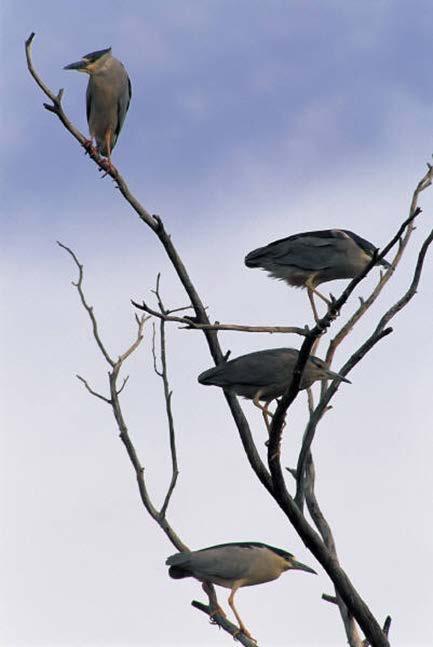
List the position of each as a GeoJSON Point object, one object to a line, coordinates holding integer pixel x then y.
{"type": "Point", "coordinates": [233, 566]}
{"type": "Point", "coordinates": [265, 375]}
{"type": "Point", "coordinates": [314, 257]}
{"type": "Point", "coordinates": [107, 98]}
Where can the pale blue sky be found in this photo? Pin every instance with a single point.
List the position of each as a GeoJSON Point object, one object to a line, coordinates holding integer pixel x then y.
{"type": "Point", "coordinates": [249, 121]}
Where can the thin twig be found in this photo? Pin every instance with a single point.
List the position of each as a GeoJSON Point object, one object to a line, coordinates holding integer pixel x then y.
{"type": "Point", "coordinates": [86, 306]}
{"type": "Point", "coordinates": [155, 361]}
{"type": "Point", "coordinates": [135, 344]}
{"type": "Point", "coordinates": [92, 391]}
{"type": "Point", "coordinates": [329, 598]}
{"type": "Point", "coordinates": [387, 625]}
{"type": "Point", "coordinates": [191, 324]}
{"type": "Point", "coordinates": [139, 469]}
{"type": "Point", "coordinates": [125, 379]}
{"type": "Point", "coordinates": [163, 374]}
{"type": "Point", "coordinates": [386, 628]}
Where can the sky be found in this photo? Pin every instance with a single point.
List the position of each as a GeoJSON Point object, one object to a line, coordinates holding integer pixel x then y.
{"type": "Point", "coordinates": [249, 121]}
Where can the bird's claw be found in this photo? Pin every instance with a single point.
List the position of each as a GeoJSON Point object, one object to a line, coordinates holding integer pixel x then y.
{"type": "Point", "coordinates": [89, 148]}
{"type": "Point", "coordinates": [216, 612]}
{"type": "Point", "coordinates": [245, 632]}
{"type": "Point", "coordinates": [107, 166]}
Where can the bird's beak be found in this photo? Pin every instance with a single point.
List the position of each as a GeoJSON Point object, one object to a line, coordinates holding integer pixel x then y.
{"type": "Point", "coordinates": [80, 66]}
{"type": "Point", "coordinates": [298, 566]}
{"type": "Point", "coordinates": [334, 376]}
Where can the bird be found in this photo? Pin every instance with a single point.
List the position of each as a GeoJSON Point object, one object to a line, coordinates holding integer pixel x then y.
{"type": "Point", "coordinates": [107, 98]}
{"type": "Point", "coordinates": [265, 375]}
{"type": "Point", "coordinates": [233, 566]}
{"type": "Point", "coordinates": [314, 257]}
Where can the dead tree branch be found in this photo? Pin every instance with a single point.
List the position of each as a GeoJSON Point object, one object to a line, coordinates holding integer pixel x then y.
{"type": "Point", "coordinates": [405, 234]}
{"type": "Point", "coordinates": [352, 633]}
{"type": "Point", "coordinates": [270, 479]}
{"type": "Point", "coordinates": [323, 527]}
{"type": "Point", "coordinates": [379, 332]}
{"type": "Point", "coordinates": [163, 374]}
{"type": "Point", "coordinates": [92, 391]}
{"type": "Point", "coordinates": [160, 516]}
{"type": "Point", "coordinates": [309, 536]}
{"type": "Point", "coordinates": [191, 324]}
{"type": "Point", "coordinates": [289, 396]}
{"type": "Point", "coordinates": [323, 324]}
{"type": "Point", "coordinates": [329, 598]}
{"type": "Point", "coordinates": [114, 402]}
{"type": "Point", "coordinates": [225, 624]}
{"type": "Point", "coordinates": [87, 307]}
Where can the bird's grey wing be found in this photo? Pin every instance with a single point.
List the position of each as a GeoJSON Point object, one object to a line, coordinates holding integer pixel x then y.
{"type": "Point", "coordinates": [309, 253]}
{"type": "Point", "coordinates": [289, 250]}
{"type": "Point", "coordinates": [225, 564]}
{"type": "Point", "coordinates": [262, 368]}
{"type": "Point", "coordinates": [123, 105]}
{"type": "Point", "coordinates": [242, 370]}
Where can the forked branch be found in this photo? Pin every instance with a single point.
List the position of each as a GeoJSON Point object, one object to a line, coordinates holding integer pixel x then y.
{"type": "Point", "coordinates": [114, 402]}
{"type": "Point", "coordinates": [160, 516]}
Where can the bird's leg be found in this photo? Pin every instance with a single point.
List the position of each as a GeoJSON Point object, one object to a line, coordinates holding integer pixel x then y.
{"type": "Point", "coordinates": [315, 346]}
{"type": "Point", "coordinates": [107, 164]}
{"type": "Point", "coordinates": [266, 416]}
{"type": "Point", "coordinates": [313, 305]}
{"type": "Point", "coordinates": [264, 409]}
{"type": "Point", "coordinates": [242, 627]}
{"type": "Point", "coordinates": [319, 294]}
{"type": "Point", "coordinates": [213, 602]}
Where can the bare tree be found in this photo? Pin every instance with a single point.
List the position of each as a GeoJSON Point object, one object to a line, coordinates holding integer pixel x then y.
{"type": "Point", "coordinates": [362, 628]}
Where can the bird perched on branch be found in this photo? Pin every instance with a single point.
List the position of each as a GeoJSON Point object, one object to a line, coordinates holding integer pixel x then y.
{"type": "Point", "coordinates": [265, 375]}
{"type": "Point", "coordinates": [107, 98]}
{"type": "Point", "coordinates": [233, 566]}
{"type": "Point", "coordinates": [314, 257]}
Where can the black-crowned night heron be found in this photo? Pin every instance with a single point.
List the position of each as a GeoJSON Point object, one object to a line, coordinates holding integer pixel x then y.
{"type": "Point", "coordinates": [265, 375]}
{"type": "Point", "coordinates": [314, 257]}
{"type": "Point", "coordinates": [107, 98]}
{"type": "Point", "coordinates": [233, 566]}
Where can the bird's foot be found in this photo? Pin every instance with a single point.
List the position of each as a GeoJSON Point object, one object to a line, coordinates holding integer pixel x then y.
{"type": "Point", "coordinates": [330, 306]}
{"type": "Point", "coordinates": [216, 612]}
{"type": "Point", "coordinates": [89, 148]}
{"type": "Point", "coordinates": [243, 630]}
{"type": "Point", "coordinates": [107, 166]}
